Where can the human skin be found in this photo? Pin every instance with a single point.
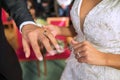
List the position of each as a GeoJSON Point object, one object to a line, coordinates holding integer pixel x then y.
{"type": "Point", "coordinates": [88, 53]}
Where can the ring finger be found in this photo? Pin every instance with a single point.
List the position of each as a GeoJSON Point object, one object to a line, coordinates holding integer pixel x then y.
{"type": "Point", "coordinates": [52, 39]}
{"type": "Point", "coordinates": [77, 55]}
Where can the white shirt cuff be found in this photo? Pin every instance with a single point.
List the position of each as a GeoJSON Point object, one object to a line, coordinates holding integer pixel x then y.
{"type": "Point", "coordinates": [27, 22]}
{"type": "Point", "coordinates": [64, 2]}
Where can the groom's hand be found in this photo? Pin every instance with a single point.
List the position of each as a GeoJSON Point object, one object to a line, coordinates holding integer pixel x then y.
{"type": "Point", "coordinates": [33, 35]}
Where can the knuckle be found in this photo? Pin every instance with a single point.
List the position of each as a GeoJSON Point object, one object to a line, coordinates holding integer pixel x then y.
{"type": "Point", "coordinates": [85, 51]}
{"type": "Point", "coordinates": [44, 39]}
{"type": "Point", "coordinates": [86, 60]}
{"type": "Point", "coordinates": [79, 60]}
{"type": "Point", "coordinates": [48, 45]}
{"type": "Point", "coordinates": [35, 46]}
{"type": "Point", "coordinates": [85, 47]}
{"type": "Point", "coordinates": [31, 34]}
{"type": "Point", "coordinates": [47, 40]}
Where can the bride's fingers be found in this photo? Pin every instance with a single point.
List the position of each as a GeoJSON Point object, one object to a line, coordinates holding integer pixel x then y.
{"type": "Point", "coordinates": [73, 42]}
{"type": "Point", "coordinates": [82, 60]}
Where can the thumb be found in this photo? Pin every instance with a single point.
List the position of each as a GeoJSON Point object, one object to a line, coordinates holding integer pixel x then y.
{"type": "Point", "coordinates": [73, 42]}
{"type": "Point", "coordinates": [26, 48]}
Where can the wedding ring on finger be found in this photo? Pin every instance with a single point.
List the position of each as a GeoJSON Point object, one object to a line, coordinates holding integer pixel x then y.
{"type": "Point", "coordinates": [78, 55]}
{"type": "Point", "coordinates": [45, 32]}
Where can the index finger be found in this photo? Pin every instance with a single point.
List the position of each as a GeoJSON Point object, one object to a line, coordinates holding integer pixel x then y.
{"type": "Point", "coordinates": [35, 47]}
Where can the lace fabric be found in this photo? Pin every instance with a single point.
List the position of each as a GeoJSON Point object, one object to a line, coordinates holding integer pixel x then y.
{"type": "Point", "coordinates": [102, 29]}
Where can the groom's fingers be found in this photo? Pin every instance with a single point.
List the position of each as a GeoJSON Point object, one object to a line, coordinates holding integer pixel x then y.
{"type": "Point", "coordinates": [26, 48]}
{"type": "Point", "coordinates": [33, 38]}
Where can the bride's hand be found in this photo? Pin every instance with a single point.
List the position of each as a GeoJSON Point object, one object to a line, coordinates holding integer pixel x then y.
{"type": "Point", "coordinates": [86, 53]}
{"type": "Point", "coordinates": [55, 30]}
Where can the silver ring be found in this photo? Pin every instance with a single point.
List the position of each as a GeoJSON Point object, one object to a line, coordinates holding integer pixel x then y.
{"type": "Point", "coordinates": [78, 55]}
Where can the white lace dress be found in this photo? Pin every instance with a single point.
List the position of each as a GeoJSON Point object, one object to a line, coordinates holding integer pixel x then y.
{"type": "Point", "coordinates": [102, 29]}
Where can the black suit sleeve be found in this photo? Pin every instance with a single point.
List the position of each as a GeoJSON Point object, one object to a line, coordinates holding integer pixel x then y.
{"type": "Point", "coordinates": [18, 10]}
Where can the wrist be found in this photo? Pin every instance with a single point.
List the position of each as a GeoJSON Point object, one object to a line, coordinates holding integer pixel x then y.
{"type": "Point", "coordinates": [105, 59]}
{"type": "Point", "coordinates": [111, 60]}
{"type": "Point", "coordinates": [108, 59]}
{"type": "Point", "coordinates": [28, 28]}
{"type": "Point", "coordinates": [25, 23]}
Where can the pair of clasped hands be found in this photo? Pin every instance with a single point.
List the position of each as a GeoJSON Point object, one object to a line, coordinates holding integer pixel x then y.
{"type": "Point", "coordinates": [34, 36]}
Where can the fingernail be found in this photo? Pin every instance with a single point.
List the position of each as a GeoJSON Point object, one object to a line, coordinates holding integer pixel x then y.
{"type": "Point", "coordinates": [26, 55]}
{"type": "Point", "coordinates": [40, 58]}
{"type": "Point", "coordinates": [57, 46]}
{"type": "Point", "coordinates": [53, 52]}
{"type": "Point", "coordinates": [60, 50]}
